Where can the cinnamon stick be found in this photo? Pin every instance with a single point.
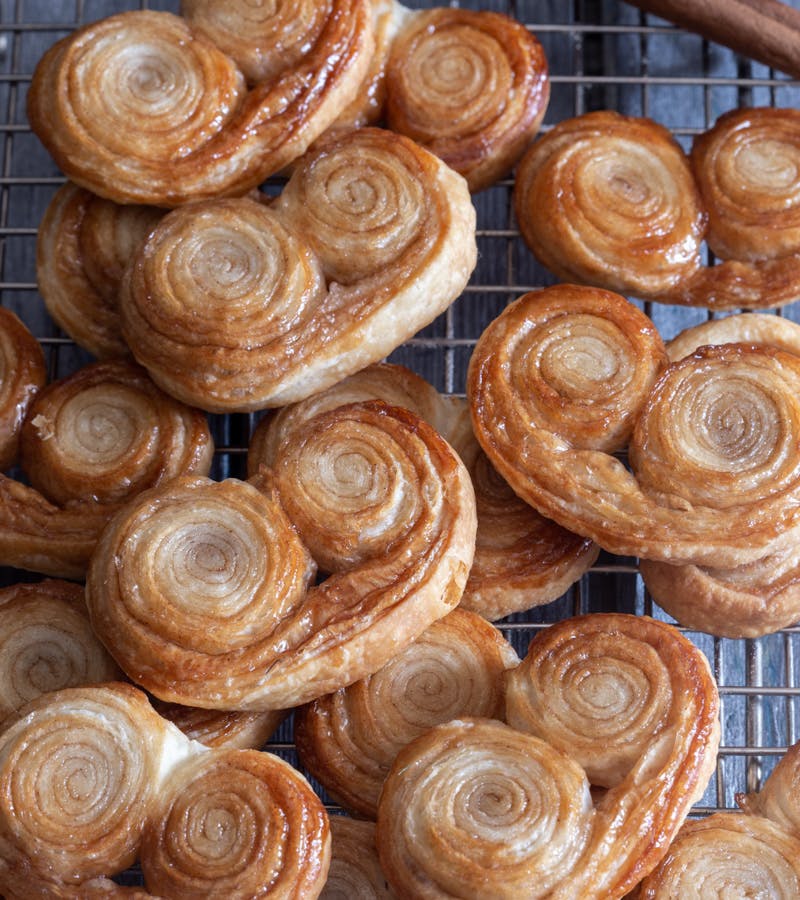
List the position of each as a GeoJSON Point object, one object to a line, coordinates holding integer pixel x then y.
{"type": "Point", "coordinates": [765, 30]}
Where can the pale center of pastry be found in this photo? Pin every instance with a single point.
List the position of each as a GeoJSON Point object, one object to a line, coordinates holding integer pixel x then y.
{"type": "Point", "coordinates": [769, 165]}
{"type": "Point", "coordinates": [99, 426]}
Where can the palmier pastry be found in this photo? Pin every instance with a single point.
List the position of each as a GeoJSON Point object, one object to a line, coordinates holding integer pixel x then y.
{"type": "Point", "coordinates": [231, 305]}
{"type": "Point", "coordinates": [556, 384]}
{"type": "Point", "coordinates": [610, 200]}
{"type": "Point", "coordinates": [83, 246]}
{"type": "Point", "coordinates": [349, 740]}
{"type": "Point", "coordinates": [727, 855]}
{"type": "Point", "coordinates": [220, 729]}
{"type": "Point", "coordinates": [750, 600]}
{"type": "Point", "coordinates": [355, 872]}
{"type": "Point", "coordinates": [22, 374]}
{"type": "Point", "coordinates": [92, 778]}
{"type": "Point", "coordinates": [521, 559]}
{"type": "Point", "coordinates": [141, 108]}
{"type": "Point", "coordinates": [201, 589]}
{"type": "Point", "coordinates": [239, 824]}
{"type": "Point", "coordinates": [470, 86]}
{"type": "Point", "coordinates": [734, 855]}
{"type": "Point", "coordinates": [46, 643]}
{"type": "Point", "coordinates": [748, 170]}
{"type": "Point", "coordinates": [477, 808]}
{"type": "Point", "coordinates": [79, 773]}
{"type": "Point", "coordinates": [90, 441]}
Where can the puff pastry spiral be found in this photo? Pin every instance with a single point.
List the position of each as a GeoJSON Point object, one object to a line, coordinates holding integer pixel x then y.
{"type": "Point", "coordinates": [22, 374]}
{"type": "Point", "coordinates": [348, 740]}
{"type": "Point", "coordinates": [240, 824]}
{"type": "Point", "coordinates": [557, 382]}
{"type": "Point", "coordinates": [380, 500]}
{"type": "Point", "coordinates": [231, 305]}
{"type": "Point", "coordinates": [477, 807]}
{"type": "Point", "coordinates": [83, 246]}
{"type": "Point", "coordinates": [92, 778]}
{"type": "Point", "coordinates": [78, 775]}
{"type": "Point", "coordinates": [747, 168]}
{"type": "Point", "coordinates": [90, 441]}
{"type": "Point", "coordinates": [613, 201]}
{"type": "Point", "coordinates": [762, 596]}
{"type": "Point", "coordinates": [521, 559]}
{"type": "Point", "coordinates": [610, 200]}
{"type": "Point", "coordinates": [46, 643]}
{"type": "Point", "coordinates": [727, 855]}
{"type": "Point", "coordinates": [140, 108]}
{"type": "Point", "coordinates": [471, 86]}
{"type": "Point", "coordinates": [731, 855]}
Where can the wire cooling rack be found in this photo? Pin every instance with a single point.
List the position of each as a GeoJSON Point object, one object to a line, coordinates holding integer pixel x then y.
{"type": "Point", "coordinates": [602, 54]}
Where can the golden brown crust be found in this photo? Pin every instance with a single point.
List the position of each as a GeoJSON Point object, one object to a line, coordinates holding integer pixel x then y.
{"type": "Point", "coordinates": [46, 643]}
{"type": "Point", "coordinates": [714, 466]}
{"type": "Point", "coordinates": [355, 872]}
{"type": "Point", "coordinates": [235, 306]}
{"type": "Point", "coordinates": [220, 729]}
{"type": "Point", "coordinates": [381, 501]}
{"type": "Point", "coordinates": [747, 168]}
{"type": "Point", "coordinates": [779, 797]}
{"type": "Point", "coordinates": [22, 374]}
{"type": "Point", "coordinates": [471, 86]}
{"type": "Point", "coordinates": [477, 808]}
{"type": "Point", "coordinates": [239, 823]}
{"type": "Point", "coordinates": [727, 855]}
{"type": "Point", "coordinates": [83, 246]}
{"type": "Point", "coordinates": [91, 778]}
{"type": "Point", "coordinates": [140, 109]}
{"type": "Point", "coordinates": [750, 600]}
{"type": "Point", "coordinates": [610, 200]}
{"type": "Point", "coordinates": [744, 328]}
{"type": "Point", "coordinates": [521, 559]}
{"type": "Point", "coordinates": [92, 440]}
{"type": "Point", "coordinates": [348, 740]}
{"type": "Point", "coordinates": [79, 772]}
{"type": "Point", "coordinates": [744, 602]}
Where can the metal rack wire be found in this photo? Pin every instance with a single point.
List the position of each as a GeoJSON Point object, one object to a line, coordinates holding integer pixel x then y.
{"type": "Point", "coordinates": [602, 54]}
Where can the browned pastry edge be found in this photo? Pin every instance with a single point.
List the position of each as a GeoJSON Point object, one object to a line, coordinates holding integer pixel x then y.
{"type": "Point", "coordinates": [221, 729]}
{"type": "Point", "coordinates": [80, 302]}
{"type": "Point", "coordinates": [23, 375]}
